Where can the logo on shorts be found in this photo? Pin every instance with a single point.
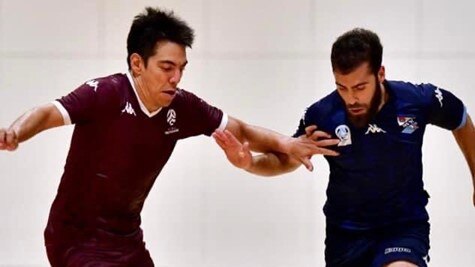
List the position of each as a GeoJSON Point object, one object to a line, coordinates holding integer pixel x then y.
{"type": "Point", "coordinates": [397, 249]}
{"type": "Point", "coordinates": [408, 123]}
{"type": "Point", "coordinates": [344, 134]}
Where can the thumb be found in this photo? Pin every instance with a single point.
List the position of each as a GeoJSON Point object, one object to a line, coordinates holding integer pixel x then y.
{"type": "Point", "coordinates": [244, 150]}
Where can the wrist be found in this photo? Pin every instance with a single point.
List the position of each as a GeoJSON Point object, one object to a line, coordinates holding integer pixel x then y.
{"type": "Point", "coordinates": [284, 145]}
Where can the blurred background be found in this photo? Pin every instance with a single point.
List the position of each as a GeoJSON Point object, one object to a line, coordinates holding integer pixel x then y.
{"type": "Point", "coordinates": [261, 61]}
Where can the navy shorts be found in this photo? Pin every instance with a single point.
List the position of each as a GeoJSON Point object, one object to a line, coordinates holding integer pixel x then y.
{"type": "Point", "coordinates": [377, 247]}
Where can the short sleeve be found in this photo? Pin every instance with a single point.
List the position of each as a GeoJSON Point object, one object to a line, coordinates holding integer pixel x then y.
{"type": "Point", "coordinates": [301, 126]}
{"type": "Point", "coordinates": [203, 118]}
{"type": "Point", "coordinates": [90, 101]}
{"type": "Point", "coordinates": [445, 109]}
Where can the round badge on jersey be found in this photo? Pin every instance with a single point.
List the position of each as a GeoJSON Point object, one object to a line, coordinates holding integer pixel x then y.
{"type": "Point", "coordinates": [343, 133]}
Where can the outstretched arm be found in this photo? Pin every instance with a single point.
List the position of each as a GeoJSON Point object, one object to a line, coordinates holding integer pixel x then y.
{"type": "Point", "coordinates": [281, 153]}
{"type": "Point", "coordinates": [465, 137]}
{"type": "Point", "coordinates": [29, 124]}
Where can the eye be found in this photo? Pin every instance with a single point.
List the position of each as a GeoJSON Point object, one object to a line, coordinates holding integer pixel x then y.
{"type": "Point", "coordinates": [360, 87]}
{"type": "Point", "coordinates": [166, 68]}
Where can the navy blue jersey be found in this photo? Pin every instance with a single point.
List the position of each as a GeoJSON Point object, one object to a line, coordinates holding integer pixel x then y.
{"type": "Point", "coordinates": [377, 178]}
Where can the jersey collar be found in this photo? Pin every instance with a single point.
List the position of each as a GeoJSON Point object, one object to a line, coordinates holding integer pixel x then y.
{"type": "Point", "coordinates": [141, 104]}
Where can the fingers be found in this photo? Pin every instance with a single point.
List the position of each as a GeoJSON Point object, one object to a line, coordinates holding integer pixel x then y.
{"type": "Point", "coordinates": [307, 163]}
{"type": "Point", "coordinates": [318, 134]}
{"type": "Point", "coordinates": [310, 129]}
{"type": "Point", "coordinates": [2, 139]}
{"type": "Point", "coordinates": [219, 140]}
{"type": "Point", "coordinates": [326, 152]}
{"type": "Point", "coordinates": [245, 150]}
{"type": "Point", "coordinates": [231, 137]}
{"type": "Point", "coordinates": [327, 142]}
{"type": "Point", "coordinates": [8, 140]}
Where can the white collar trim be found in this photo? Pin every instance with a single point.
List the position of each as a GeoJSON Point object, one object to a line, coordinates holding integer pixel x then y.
{"type": "Point", "coordinates": [142, 106]}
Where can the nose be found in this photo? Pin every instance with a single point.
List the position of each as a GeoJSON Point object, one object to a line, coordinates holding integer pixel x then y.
{"type": "Point", "coordinates": [176, 77]}
{"type": "Point", "coordinates": [352, 97]}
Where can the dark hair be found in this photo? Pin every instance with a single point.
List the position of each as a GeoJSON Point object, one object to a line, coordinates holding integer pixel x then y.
{"type": "Point", "coordinates": [355, 47]}
{"type": "Point", "coordinates": [156, 25]}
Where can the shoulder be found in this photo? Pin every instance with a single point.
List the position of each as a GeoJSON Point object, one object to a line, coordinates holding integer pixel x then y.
{"type": "Point", "coordinates": [411, 93]}
{"type": "Point", "coordinates": [187, 99]}
{"type": "Point", "coordinates": [109, 84]}
{"type": "Point", "coordinates": [326, 106]}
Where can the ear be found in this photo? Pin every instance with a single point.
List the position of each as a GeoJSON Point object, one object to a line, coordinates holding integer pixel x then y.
{"type": "Point", "coordinates": [381, 74]}
{"type": "Point", "coordinates": [136, 64]}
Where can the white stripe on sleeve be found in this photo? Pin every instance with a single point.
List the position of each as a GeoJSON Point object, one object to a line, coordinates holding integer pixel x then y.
{"type": "Point", "coordinates": [63, 111]}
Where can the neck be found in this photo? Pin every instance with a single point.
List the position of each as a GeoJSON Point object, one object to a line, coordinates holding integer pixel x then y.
{"type": "Point", "coordinates": [384, 97]}
{"type": "Point", "coordinates": [144, 95]}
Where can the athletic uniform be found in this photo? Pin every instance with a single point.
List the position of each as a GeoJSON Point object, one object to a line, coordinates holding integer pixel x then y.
{"type": "Point", "coordinates": [118, 148]}
{"type": "Point", "coordinates": [376, 202]}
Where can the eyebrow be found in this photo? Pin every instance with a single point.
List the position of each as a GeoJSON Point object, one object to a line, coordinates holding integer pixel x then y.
{"type": "Point", "coordinates": [354, 86]}
{"type": "Point", "coordinates": [172, 63]}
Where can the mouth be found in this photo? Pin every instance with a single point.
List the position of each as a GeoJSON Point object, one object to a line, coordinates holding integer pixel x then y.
{"type": "Point", "coordinates": [169, 92]}
{"type": "Point", "coordinates": [356, 110]}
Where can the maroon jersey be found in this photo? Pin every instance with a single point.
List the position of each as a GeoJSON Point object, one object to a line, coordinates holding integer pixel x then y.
{"type": "Point", "coordinates": [117, 150]}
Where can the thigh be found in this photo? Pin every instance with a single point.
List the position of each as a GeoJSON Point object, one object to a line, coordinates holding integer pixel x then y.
{"type": "Point", "coordinates": [56, 254]}
{"type": "Point", "coordinates": [348, 248]}
{"type": "Point", "coordinates": [81, 255]}
{"type": "Point", "coordinates": [406, 243]}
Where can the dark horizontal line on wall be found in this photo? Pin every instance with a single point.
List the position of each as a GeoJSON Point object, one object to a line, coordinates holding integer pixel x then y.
{"type": "Point", "coordinates": [204, 55]}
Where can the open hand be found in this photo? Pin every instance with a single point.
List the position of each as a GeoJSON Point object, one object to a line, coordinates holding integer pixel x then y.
{"type": "Point", "coordinates": [237, 153]}
{"type": "Point", "coordinates": [311, 143]}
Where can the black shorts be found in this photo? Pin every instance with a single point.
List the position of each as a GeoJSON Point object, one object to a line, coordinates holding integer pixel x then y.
{"type": "Point", "coordinates": [377, 247]}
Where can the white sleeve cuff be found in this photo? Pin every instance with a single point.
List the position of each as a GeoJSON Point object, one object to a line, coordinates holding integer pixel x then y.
{"type": "Point", "coordinates": [63, 111]}
{"type": "Point", "coordinates": [224, 122]}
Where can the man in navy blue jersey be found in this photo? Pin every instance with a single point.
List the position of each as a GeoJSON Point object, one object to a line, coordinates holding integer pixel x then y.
{"type": "Point", "coordinates": [376, 203]}
{"type": "Point", "coordinates": [126, 127]}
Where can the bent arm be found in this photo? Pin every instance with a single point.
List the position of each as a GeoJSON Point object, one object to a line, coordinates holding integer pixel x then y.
{"type": "Point", "coordinates": [465, 137]}
{"type": "Point", "coordinates": [272, 164]}
{"type": "Point", "coordinates": [29, 124]}
{"type": "Point", "coordinates": [281, 154]}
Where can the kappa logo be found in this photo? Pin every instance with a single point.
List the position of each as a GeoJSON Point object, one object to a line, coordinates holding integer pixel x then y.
{"type": "Point", "coordinates": [373, 128]}
{"type": "Point", "coordinates": [439, 96]}
{"type": "Point", "coordinates": [408, 123]}
{"type": "Point", "coordinates": [171, 117]}
{"type": "Point", "coordinates": [343, 133]}
{"type": "Point", "coordinates": [93, 83]}
{"type": "Point", "coordinates": [129, 109]}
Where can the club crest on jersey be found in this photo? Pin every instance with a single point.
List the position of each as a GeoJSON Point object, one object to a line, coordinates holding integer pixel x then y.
{"type": "Point", "coordinates": [343, 133]}
{"type": "Point", "coordinates": [408, 123]}
{"type": "Point", "coordinates": [171, 119]}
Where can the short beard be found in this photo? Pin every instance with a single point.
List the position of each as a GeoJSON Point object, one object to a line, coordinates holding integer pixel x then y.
{"type": "Point", "coordinates": [361, 121]}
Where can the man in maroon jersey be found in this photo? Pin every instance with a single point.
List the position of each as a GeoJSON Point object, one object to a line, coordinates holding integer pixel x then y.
{"type": "Point", "coordinates": [126, 126]}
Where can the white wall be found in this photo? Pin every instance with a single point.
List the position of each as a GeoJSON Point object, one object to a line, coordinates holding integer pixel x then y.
{"type": "Point", "coordinates": [261, 61]}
